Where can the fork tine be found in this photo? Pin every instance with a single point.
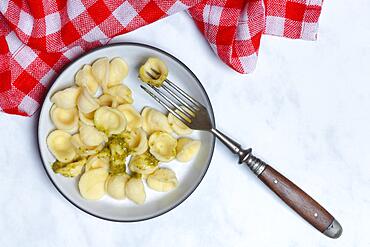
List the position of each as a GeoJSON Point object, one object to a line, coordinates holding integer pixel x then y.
{"type": "Point", "coordinates": [179, 99]}
{"type": "Point", "coordinates": [171, 102]}
{"type": "Point", "coordinates": [155, 71]}
{"type": "Point", "coordinates": [150, 75]}
{"type": "Point", "coordinates": [189, 107]}
{"type": "Point", "coordinates": [187, 96]}
{"type": "Point", "coordinates": [165, 105]}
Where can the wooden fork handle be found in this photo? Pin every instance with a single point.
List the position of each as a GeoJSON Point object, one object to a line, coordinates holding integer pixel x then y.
{"type": "Point", "coordinates": [290, 193]}
{"type": "Point", "coordinates": [296, 198]}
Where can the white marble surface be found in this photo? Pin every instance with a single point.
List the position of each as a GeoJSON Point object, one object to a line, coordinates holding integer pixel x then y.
{"type": "Point", "coordinates": [304, 109]}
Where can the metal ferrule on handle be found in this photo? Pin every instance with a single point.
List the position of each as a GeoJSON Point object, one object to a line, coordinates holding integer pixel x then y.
{"type": "Point", "coordinates": [245, 155]}
{"type": "Point", "coordinates": [255, 164]}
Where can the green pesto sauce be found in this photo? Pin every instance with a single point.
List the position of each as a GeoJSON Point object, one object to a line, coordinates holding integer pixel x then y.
{"type": "Point", "coordinates": [69, 169]}
{"type": "Point", "coordinates": [57, 165]}
{"type": "Point", "coordinates": [119, 150]}
{"type": "Point", "coordinates": [149, 159]}
{"type": "Point", "coordinates": [105, 152]}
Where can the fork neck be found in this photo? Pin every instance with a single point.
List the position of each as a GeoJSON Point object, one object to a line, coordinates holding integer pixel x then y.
{"type": "Point", "coordinates": [245, 155]}
{"type": "Point", "coordinates": [232, 145]}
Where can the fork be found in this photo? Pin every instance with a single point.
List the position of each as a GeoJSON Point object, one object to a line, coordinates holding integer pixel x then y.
{"type": "Point", "coordinates": [195, 116]}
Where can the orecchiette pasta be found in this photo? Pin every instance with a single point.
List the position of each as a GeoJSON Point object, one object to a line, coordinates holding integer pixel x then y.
{"type": "Point", "coordinates": [59, 143]}
{"type": "Point", "coordinates": [118, 70]}
{"type": "Point", "coordinates": [90, 136]}
{"type": "Point", "coordinates": [186, 149]}
{"type": "Point", "coordinates": [108, 100]}
{"type": "Point", "coordinates": [87, 103]}
{"type": "Point", "coordinates": [122, 94]}
{"type": "Point", "coordinates": [133, 118]}
{"type": "Point", "coordinates": [85, 78]}
{"type": "Point", "coordinates": [144, 163]}
{"type": "Point", "coordinates": [156, 68]}
{"type": "Point", "coordinates": [137, 141]}
{"type": "Point", "coordinates": [163, 146]}
{"type": "Point", "coordinates": [82, 149]}
{"type": "Point", "coordinates": [66, 98]}
{"type": "Point", "coordinates": [110, 120]}
{"type": "Point", "coordinates": [154, 120]}
{"type": "Point", "coordinates": [95, 162]}
{"type": "Point", "coordinates": [72, 169]}
{"type": "Point", "coordinates": [110, 130]}
{"type": "Point", "coordinates": [100, 70]}
{"type": "Point", "coordinates": [92, 184]}
{"type": "Point", "coordinates": [135, 190]}
{"type": "Point", "coordinates": [64, 119]}
{"type": "Point", "coordinates": [177, 125]}
{"type": "Point", "coordinates": [87, 118]}
{"type": "Point", "coordinates": [162, 180]}
{"type": "Point", "coordinates": [115, 185]}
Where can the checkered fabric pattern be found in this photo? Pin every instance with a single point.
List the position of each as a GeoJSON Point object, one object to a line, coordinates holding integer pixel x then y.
{"type": "Point", "coordinates": [37, 37]}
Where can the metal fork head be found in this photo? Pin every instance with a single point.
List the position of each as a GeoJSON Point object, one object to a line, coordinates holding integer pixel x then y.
{"type": "Point", "coordinates": [184, 107]}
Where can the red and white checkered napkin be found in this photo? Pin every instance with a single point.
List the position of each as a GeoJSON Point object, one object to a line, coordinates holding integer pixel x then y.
{"type": "Point", "coordinates": [38, 37]}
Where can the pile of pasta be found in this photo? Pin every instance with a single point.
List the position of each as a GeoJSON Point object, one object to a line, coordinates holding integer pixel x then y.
{"type": "Point", "coordinates": [98, 129]}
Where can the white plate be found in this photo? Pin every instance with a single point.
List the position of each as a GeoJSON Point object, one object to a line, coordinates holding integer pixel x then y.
{"type": "Point", "coordinates": [189, 174]}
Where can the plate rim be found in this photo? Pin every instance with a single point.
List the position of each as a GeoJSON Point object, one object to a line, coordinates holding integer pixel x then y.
{"type": "Point", "coordinates": [210, 112]}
